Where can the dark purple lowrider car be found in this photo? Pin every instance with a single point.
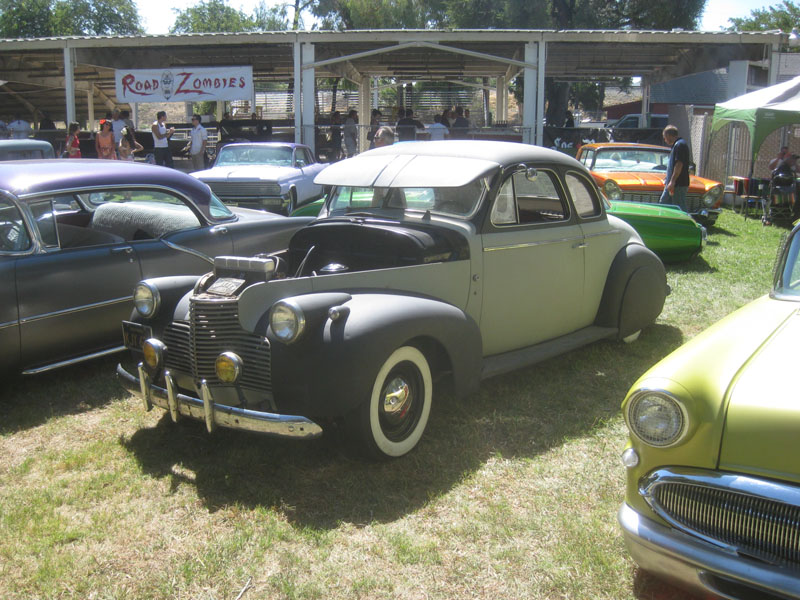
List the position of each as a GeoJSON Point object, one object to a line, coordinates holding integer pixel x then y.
{"type": "Point", "coordinates": [77, 235]}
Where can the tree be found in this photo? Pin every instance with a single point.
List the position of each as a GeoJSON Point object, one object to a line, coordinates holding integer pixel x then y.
{"type": "Point", "coordinates": [45, 18]}
{"type": "Point", "coordinates": [215, 16]}
{"type": "Point", "coordinates": [785, 16]}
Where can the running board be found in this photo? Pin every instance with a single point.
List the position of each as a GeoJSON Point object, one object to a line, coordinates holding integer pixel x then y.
{"type": "Point", "coordinates": [510, 361]}
{"type": "Point", "coordinates": [73, 361]}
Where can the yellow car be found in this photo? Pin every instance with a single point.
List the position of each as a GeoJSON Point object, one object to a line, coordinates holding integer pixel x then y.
{"type": "Point", "coordinates": [636, 172]}
{"type": "Point", "coordinates": [713, 477]}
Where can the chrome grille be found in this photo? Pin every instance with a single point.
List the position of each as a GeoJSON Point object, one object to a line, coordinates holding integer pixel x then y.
{"type": "Point", "coordinates": [215, 329]}
{"type": "Point", "coordinates": [178, 339]}
{"type": "Point", "coordinates": [760, 527]}
{"type": "Point", "coordinates": [245, 189]}
{"type": "Point", "coordinates": [694, 202]}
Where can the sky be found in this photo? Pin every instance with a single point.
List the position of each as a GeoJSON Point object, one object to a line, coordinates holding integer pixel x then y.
{"type": "Point", "coordinates": [157, 15]}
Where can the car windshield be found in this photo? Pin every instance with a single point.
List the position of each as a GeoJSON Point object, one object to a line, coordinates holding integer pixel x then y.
{"type": "Point", "coordinates": [789, 283]}
{"type": "Point", "coordinates": [631, 159]}
{"type": "Point", "coordinates": [458, 202]}
{"type": "Point", "coordinates": [280, 156]}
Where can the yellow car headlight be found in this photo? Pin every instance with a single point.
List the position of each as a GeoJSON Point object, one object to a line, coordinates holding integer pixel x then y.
{"type": "Point", "coordinates": [657, 418]}
{"type": "Point", "coordinates": [228, 367]}
{"type": "Point", "coordinates": [154, 351]}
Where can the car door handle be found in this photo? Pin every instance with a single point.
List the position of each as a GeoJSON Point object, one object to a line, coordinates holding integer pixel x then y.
{"type": "Point", "coordinates": [221, 230]}
{"type": "Point", "coordinates": [122, 250]}
{"type": "Point", "coordinates": [579, 245]}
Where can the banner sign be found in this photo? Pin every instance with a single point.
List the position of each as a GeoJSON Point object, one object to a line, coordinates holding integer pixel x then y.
{"type": "Point", "coordinates": [184, 84]}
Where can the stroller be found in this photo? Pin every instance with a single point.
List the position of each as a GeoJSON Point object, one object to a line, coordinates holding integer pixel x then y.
{"type": "Point", "coordinates": [781, 201]}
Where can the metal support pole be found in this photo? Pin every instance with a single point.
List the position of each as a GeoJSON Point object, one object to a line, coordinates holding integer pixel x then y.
{"type": "Point", "coordinates": [69, 78]}
{"type": "Point", "coordinates": [308, 83]}
{"type": "Point", "coordinates": [529, 93]}
{"type": "Point", "coordinates": [540, 63]}
{"type": "Point", "coordinates": [298, 122]}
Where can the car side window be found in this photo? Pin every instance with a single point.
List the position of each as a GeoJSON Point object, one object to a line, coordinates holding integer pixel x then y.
{"type": "Point", "coordinates": [14, 236]}
{"type": "Point", "coordinates": [587, 157]}
{"type": "Point", "coordinates": [44, 216]}
{"type": "Point", "coordinates": [530, 197]}
{"type": "Point", "coordinates": [586, 202]}
{"type": "Point", "coordinates": [301, 158]}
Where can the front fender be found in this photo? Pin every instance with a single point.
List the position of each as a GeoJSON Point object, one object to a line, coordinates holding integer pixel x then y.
{"type": "Point", "coordinates": [331, 369]}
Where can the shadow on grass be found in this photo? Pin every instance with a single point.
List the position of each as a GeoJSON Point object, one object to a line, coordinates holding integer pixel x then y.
{"type": "Point", "coordinates": [28, 401]}
{"type": "Point", "coordinates": [716, 230]}
{"type": "Point", "coordinates": [320, 483]}
{"type": "Point", "coordinates": [697, 265]}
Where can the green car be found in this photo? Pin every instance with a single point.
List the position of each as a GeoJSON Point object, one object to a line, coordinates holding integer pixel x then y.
{"type": "Point", "coordinates": [713, 476]}
{"type": "Point", "coordinates": [668, 231]}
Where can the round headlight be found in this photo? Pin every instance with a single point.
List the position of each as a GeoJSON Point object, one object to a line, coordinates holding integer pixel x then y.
{"type": "Point", "coordinates": [656, 418]}
{"type": "Point", "coordinates": [146, 299]}
{"type": "Point", "coordinates": [154, 350]}
{"type": "Point", "coordinates": [612, 191]}
{"type": "Point", "coordinates": [228, 367]}
{"type": "Point", "coordinates": [287, 321]}
{"type": "Point", "coordinates": [711, 197]}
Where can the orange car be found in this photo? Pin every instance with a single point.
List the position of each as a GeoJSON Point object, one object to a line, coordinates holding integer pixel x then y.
{"type": "Point", "coordinates": [636, 173]}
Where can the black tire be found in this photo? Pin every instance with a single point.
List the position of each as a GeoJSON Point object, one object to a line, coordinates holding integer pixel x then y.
{"type": "Point", "coordinates": [392, 420]}
{"type": "Point", "coordinates": [292, 201]}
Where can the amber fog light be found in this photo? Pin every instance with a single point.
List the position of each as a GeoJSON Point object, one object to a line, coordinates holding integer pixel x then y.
{"type": "Point", "coordinates": [154, 354]}
{"type": "Point", "coordinates": [228, 367]}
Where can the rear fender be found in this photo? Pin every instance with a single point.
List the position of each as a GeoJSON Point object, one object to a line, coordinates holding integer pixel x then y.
{"type": "Point", "coordinates": [636, 288]}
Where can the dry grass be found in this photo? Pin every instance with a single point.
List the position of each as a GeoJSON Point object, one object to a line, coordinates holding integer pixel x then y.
{"type": "Point", "coordinates": [511, 494]}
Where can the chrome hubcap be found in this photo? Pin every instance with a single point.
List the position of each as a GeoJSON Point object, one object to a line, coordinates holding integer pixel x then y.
{"type": "Point", "coordinates": [396, 400]}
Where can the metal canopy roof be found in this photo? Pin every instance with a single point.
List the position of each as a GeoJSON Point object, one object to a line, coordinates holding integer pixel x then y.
{"type": "Point", "coordinates": [34, 69]}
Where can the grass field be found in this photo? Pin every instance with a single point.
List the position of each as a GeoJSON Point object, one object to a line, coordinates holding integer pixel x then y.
{"type": "Point", "coordinates": [512, 493]}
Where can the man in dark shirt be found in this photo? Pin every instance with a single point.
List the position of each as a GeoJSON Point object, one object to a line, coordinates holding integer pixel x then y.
{"type": "Point", "coordinates": [676, 183]}
{"type": "Point", "coordinates": [407, 127]}
{"type": "Point", "coordinates": [460, 127]}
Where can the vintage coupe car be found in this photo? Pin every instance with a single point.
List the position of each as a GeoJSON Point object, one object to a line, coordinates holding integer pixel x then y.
{"type": "Point", "coordinates": [77, 235]}
{"type": "Point", "coordinates": [458, 259]}
{"type": "Point", "coordinates": [272, 176]}
{"type": "Point", "coordinates": [636, 173]}
{"type": "Point", "coordinates": [668, 231]}
{"type": "Point", "coordinates": [713, 477]}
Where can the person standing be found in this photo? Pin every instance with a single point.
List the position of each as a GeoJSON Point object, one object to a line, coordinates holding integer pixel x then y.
{"type": "Point", "coordinates": [128, 144]}
{"type": "Point", "coordinates": [384, 137]}
{"type": "Point", "coordinates": [104, 142]}
{"type": "Point", "coordinates": [19, 128]}
{"type": "Point", "coordinates": [437, 131]}
{"type": "Point", "coordinates": [161, 136]}
{"type": "Point", "coordinates": [374, 124]}
{"type": "Point", "coordinates": [460, 127]}
{"type": "Point", "coordinates": [676, 183]}
{"type": "Point", "coordinates": [336, 136]}
{"type": "Point", "coordinates": [351, 133]}
{"type": "Point", "coordinates": [197, 146]}
{"type": "Point", "coordinates": [407, 127]}
{"type": "Point", "coordinates": [116, 126]}
{"type": "Point", "coordinates": [72, 145]}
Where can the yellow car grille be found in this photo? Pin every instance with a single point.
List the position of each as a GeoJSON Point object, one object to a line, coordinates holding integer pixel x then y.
{"type": "Point", "coordinates": [764, 528]}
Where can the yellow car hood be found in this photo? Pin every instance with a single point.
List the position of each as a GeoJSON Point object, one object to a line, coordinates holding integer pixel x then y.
{"type": "Point", "coordinates": [762, 426]}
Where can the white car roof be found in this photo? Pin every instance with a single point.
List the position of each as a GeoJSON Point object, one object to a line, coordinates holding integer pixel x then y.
{"type": "Point", "coordinates": [432, 164]}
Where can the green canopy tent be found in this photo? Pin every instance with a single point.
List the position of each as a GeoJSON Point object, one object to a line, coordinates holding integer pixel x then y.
{"type": "Point", "coordinates": [761, 112]}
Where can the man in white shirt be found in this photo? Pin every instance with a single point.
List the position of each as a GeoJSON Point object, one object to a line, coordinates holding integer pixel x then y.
{"type": "Point", "coordinates": [197, 149]}
{"type": "Point", "coordinates": [117, 125]}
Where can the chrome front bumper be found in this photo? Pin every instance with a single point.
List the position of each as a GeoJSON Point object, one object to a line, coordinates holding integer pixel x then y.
{"type": "Point", "coordinates": [694, 563]}
{"type": "Point", "coordinates": [205, 409]}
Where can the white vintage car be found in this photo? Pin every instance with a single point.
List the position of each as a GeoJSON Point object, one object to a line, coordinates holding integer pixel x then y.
{"type": "Point", "coordinates": [432, 260]}
{"type": "Point", "coordinates": [272, 176]}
